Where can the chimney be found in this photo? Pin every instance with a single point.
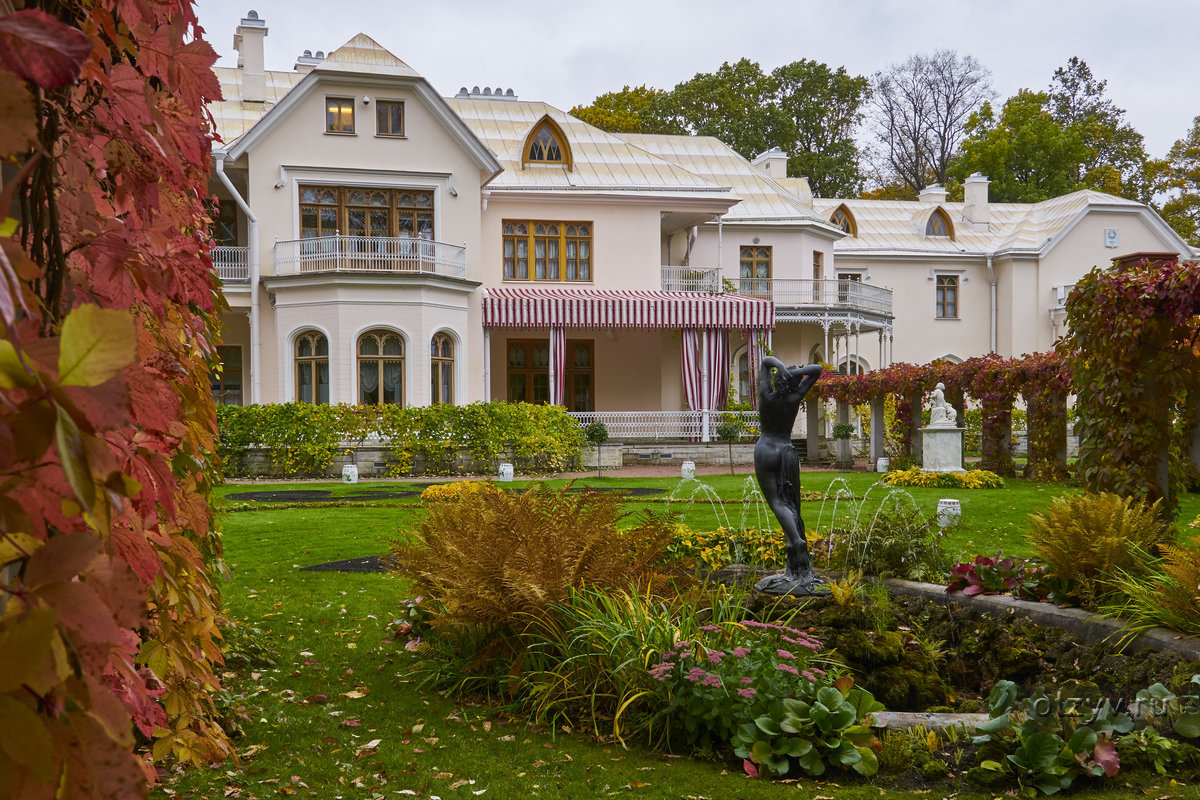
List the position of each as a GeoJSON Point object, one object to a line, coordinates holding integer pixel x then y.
{"type": "Point", "coordinates": [933, 193]}
{"type": "Point", "coordinates": [773, 163]}
{"type": "Point", "coordinates": [306, 62]}
{"type": "Point", "coordinates": [248, 41]}
{"type": "Point", "coordinates": [975, 201]}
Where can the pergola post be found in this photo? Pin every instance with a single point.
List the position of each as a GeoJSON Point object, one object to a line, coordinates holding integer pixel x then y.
{"type": "Point", "coordinates": [878, 434]}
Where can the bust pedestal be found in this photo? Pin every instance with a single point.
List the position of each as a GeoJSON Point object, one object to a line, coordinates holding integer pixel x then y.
{"type": "Point", "coordinates": [941, 448]}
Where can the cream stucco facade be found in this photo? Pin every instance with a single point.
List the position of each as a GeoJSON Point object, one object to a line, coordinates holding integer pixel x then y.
{"type": "Point", "coordinates": [381, 242]}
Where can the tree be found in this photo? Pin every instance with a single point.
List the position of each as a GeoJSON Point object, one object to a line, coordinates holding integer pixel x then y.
{"type": "Point", "coordinates": [627, 111]}
{"type": "Point", "coordinates": [806, 109]}
{"type": "Point", "coordinates": [1027, 154]}
{"type": "Point", "coordinates": [820, 109]}
{"type": "Point", "coordinates": [734, 104]}
{"type": "Point", "coordinates": [1115, 157]}
{"type": "Point", "coordinates": [920, 109]}
{"type": "Point", "coordinates": [1182, 178]}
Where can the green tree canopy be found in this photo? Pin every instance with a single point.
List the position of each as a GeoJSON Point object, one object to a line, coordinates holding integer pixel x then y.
{"type": "Point", "coordinates": [1115, 157]}
{"type": "Point", "coordinates": [1182, 179]}
{"type": "Point", "coordinates": [1027, 153]}
{"type": "Point", "coordinates": [627, 111]}
{"type": "Point", "coordinates": [807, 109]}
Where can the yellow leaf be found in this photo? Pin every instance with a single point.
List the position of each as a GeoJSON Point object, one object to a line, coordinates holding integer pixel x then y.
{"type": "Point", "coordinates": [25, 739]}
{"type": "Point", "coordinates": [96, 344]}
{"type": "Point", "coordinates": [17, 545]}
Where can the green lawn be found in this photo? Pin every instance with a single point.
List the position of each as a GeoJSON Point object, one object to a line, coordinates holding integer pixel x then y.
{"type": "Point", "coordinates": [325, 633]}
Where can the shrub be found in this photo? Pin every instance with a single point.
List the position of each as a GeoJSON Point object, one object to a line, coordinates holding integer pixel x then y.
{"type": "Point", "coordinates": [915, 476]}
{"type": "Point", "coordinates": [724, 546]}
{"type": "Point", "coordinates": [999, 575]}
{"type": "Point", "coordinates": [1087, 539]}
{"type": "Point", "coordinates": [455, 490]}
{"type": "Point", "coordinates": [755, 685]}
{"type": "Point", "coordinates": [492, 555]}
{"type": "Point", "coordinates": [899, 541]}
{"type": "Point", "coordinates": [1165, 592]}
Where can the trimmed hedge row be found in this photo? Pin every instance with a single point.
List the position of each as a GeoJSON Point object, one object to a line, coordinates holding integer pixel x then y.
{"type": "Point", "coordinates": [302, 440]}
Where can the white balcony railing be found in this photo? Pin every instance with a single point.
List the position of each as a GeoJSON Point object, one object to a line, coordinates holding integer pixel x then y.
{"type": "Point", "coordinates": [691, 279]}
{"type": "Point", "coordinates": [232, 263]}
{"type": "Point", "coordinates": [800, 292]}
{"type": "Point", "coordinates": [684, 425]}
{"type": "Point", "coordinates": [389, 254]}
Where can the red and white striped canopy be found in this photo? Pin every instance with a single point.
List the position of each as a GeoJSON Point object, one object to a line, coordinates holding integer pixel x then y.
{"type": "Point", "coordinates": [611, 308]}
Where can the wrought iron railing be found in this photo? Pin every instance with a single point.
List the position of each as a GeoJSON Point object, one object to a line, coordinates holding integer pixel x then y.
{"type": "Point", "coordinates": [846, 294]}
{"type": "Point", "coordinates": [232, 263]}
{"type": "Point", "coordinates": [691, 279]}
{"type": "Point", "coordinates": [676, 425]}
{"type": "Point", "coordinates": [392, 254]}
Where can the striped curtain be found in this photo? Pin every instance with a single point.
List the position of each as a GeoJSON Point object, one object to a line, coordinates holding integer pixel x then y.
{"type": "Point", "coordinates": [756, 344]}
{"type": "Point", "coordinates": [716, 352]}
{"type": "Point", "coordinates": [691, 367]}
{"type": "Point", "coordinates": [558, 365]}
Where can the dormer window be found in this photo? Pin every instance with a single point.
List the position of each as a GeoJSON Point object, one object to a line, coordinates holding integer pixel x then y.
{"type": "Point", "coordinates": [546, 144]}
{"type": "Point", "coordinates": [844, 219]}
{"type": "Point", "coordinates": [938, 224]}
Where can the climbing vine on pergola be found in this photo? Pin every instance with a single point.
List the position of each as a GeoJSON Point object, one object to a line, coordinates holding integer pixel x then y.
{"type": "Point", "coordinates": [1136, 373]}
{"type": "Point", "coordinates": [1041, 379]}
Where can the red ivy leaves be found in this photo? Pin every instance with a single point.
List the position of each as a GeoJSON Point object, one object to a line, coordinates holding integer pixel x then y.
{"type": "Point", "coordinates": [41, 49]}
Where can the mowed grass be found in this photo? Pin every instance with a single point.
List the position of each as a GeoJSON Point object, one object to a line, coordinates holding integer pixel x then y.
{"type": "Point", "coordinates": [327, 631]}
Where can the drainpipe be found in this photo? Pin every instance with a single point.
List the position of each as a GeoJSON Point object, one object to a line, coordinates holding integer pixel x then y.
{"type": "Point", "coordinates": [252, 233]}
{"type": "Point", "coordinates": [992, 315]}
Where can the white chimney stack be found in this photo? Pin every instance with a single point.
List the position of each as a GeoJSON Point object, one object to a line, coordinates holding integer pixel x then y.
{"type": "Point", "coordinates": [975, 201]}
{"type": "Point", "coordinates": [248, 41]}
{"type": "Point", "coordinates": [933, 193]}
{"type": "Point", "coordinates": [773, 163]}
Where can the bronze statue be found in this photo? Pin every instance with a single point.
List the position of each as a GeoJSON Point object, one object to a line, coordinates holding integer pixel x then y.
{"type": "Point", "coordinates": [781, 389]}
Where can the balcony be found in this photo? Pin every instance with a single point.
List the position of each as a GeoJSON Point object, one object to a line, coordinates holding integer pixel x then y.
{"type": "Point", "coordinates": [232, 263]}
{"type": "Point", "coordinates": [691, 279]}
{"type": "Point", "coordinates": [801, 293]}
{"type": "Point", "coordinates": [378, 254]}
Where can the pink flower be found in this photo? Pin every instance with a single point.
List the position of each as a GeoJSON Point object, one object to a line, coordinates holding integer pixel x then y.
{"type": "Point", "coordinates": [712, 680]}
{"type": "Point", "coordinates": [715, 656]}
{"type": "Point", "coordinates": [784, 654]}
{"type": "Point", "coordinates": [741, 652]}
{"type": "Point", "coordinates": [787, 668]}
{"type": "Point", "coordinates": [712, 628]}
{"type": "Point", "coordinates": [808, 675]}
{"type": "Point", "coordinates": [660, 671]}
{"type": "Point", "coordinates": [696, 675]}
{"type": "Point", "coordinates": [747, 693]}
{"type": "Point", "coordinates": [747, 680]}
{"type": "Point", "coordinates": [820, 672]}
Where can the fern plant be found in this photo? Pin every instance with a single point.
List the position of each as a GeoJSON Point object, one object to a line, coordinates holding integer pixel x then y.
{"type": "Point", "coordinates": [491, 556]}
{"type": "Point", "coordinates": [1086, 540]}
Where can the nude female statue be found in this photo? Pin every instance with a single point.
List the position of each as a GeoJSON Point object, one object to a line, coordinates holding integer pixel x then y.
{"type": "Point", "coordinates": [781, 389]}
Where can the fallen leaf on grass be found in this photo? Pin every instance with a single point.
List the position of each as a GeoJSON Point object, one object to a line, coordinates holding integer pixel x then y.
{"type": "Point", "coordinates": [354, 694]}
{"type": "Point", "coordinates": [636, 785]}
{"type": "Point", "coordinates": [443, 775]}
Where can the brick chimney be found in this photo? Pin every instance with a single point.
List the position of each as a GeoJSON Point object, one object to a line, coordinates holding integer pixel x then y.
{"type": "Point", "coordinates": [773, 162]}
{"type": "Point", "coordinates": [975, 201]}
{"type": "Point", "coordinates": [248, 41]}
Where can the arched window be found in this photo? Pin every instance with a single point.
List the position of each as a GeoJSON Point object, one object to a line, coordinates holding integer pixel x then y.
{"type": "Point", "coordinates": [312, 368]}
{"type": "Point", "coordinates": [546, 144]}
{"type": "Point", "coordinates": [844, 219]}
{"type": "Point", "coordinates": [939, 224]}
{"type": "Point", "coordinates": [441, 359]}
{"type": "Point", "coordinates": [380, 368]}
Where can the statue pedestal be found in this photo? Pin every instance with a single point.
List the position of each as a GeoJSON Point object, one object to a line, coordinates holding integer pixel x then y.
{"type": "Point", "coordinates": [941, 449]}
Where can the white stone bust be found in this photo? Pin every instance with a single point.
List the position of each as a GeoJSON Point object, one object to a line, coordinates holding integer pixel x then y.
{"type": "Point", "coordinates": [941, 414]}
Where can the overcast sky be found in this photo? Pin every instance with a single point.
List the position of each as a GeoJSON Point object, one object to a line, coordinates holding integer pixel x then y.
{"type": "Point", "coordinates": [568, 52]}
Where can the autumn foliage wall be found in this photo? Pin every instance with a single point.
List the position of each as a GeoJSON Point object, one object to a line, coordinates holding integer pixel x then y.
{"type": "Point", "coordinates": [109, 306]}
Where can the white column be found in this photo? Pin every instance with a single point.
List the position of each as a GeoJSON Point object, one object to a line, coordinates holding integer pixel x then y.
{"type": "Point", "coordinates": [487, 365]}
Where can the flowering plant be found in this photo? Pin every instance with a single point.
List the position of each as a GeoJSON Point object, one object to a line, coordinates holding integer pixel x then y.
{"type": "Point", "coordinates": [750, 674]}
{"type": "Point", "coordinates": [999, 575]}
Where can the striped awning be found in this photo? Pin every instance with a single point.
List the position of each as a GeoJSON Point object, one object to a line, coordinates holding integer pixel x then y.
{"type": "Point", "coordinates": [611, 308]}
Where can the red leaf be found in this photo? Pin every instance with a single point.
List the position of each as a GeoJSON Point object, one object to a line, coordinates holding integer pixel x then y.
{"type": "Point", "coordinates": [751, 770]}
{"type": "Point", "coordinates": [41, 49]}
{"type": "Point", "coordinates": [1106, 756]}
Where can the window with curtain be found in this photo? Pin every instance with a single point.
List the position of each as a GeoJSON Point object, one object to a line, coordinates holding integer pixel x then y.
{"type": "Point", "coordinates": [380, 368]}
{"type": "Point", "coordinates": [326, 210]}
{"type": "Point", "coordinates": [946, 302]}
{"type": "Point", "coordinates": [754, 269]}
{"type": "Point", "coordinates": [441, 362]}
{"type": "Point", "coordinates": [339, 115]}
{"type": "Point", "coordinates": [312, 368]}
{"type": "Point", "coordinates": [547, 251]}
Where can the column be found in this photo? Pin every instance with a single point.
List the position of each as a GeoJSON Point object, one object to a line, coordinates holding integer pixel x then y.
{"type": "Point", "coordinates": [878, 430]}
